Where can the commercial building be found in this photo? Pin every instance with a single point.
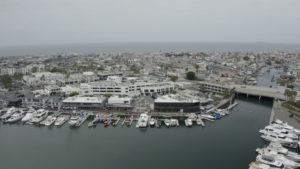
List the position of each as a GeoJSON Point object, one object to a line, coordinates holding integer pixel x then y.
{"type": "Point", "coordinates": [176, 103]}
{"type": "Point", "coordinates": [84, 103]}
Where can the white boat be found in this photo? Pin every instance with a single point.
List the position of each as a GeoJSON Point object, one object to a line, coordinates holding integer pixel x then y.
{"type": "Point", "coordinates": [174, 122]}
{"type": "Point", "coordinates": [269, 160]}
{"type": "Point", "coordinates": [41, 114]}
{"type": "Point", "coordinates": [50, 120]}
{"type": "Point", "coordinates": [167, 122]}
{"type": "Point", "coordinates": [278, 138]}
{"type": "Point", "coordinates": [61, 120]}
{"type": "Point", "coordinates": [277, 147]}
{"type": "Point", "coordinates": [152, 122]}
{"type": "Point", "coordinates": [188, 122]}
{"type": "Point", "coordinates": [256, 165]}
{"type": "Point", "coordinates": [199, 121]}
{"type": "Point", "coordinates": [278, 157]}
{"type": "Point", "coordinates": [29, 115]}
{"type": "Point", "coordinates": [208, 116]}
{"type": "Point", "coordinates": [8, 113]}
{"type": "Point", "coordinates": [276, 131]}
{"type": "Point", "coordinates": [143, 121]}
{"type": "Point", "coordinates": [18, 115]}
{"type": "Point", "coordinates": [73, 120]}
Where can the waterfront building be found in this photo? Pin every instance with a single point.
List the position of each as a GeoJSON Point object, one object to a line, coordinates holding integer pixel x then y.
{"type": "Point", "coordinates": [79, 102]}
{"type": "Point", "coordinates": [176, 103]}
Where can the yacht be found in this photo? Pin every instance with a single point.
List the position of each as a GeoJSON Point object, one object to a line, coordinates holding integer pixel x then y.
{"type": "Point", "coordinates": [167, 122]}
{"type": "Point", "coordinates": [277, 147]}
{"type": "Point", "coordinates": [199, 121]}
{"type": "Point", "coordinates": [188, 122]}
{"type": "Point", "coordinates": [269, 160]}
{"type": "Point", "coordinates": [280, 139]}
{"type": "Point", "coordinates": [8, 113]}
{"type": "Point", "coordinates": [279, 157]}
{"type": "Point", "coordinates": [73, 120]}
{"type": "Point", "coordinates": [275, 131]}
{"type": "Point", "coordinates": [152, 122]}
{"type": "Point", "coordinates": [30, 113]}
{"type": "Point", "coordinates": [208, 116]}
{"type": "Point", "coordinates": [61, 120]}
{"type": "Point", "coordinates": [174, 122]}
{"type": "Point", "coordinates": [18, 115]}
{"type": "Point", "coordinates": [41, 114]}
{"type": "Point", "coordinates": [158, 123]}
{"type": "Point", "coordinates": [143, 120]}
{"type": "Point", "coordinates": [50, 120]}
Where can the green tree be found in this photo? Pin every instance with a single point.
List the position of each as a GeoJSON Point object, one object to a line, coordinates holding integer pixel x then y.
{"type": "Point", "coordinates": [74, 94]}
{"type": "Point", "coordinates": [108, 94]}
{"type": "Point", "coordinates": [6, 81]}
{"type": "Point", "coordinates": [173, 78]}
{"type": "Point", "coordinates": [191, 75]}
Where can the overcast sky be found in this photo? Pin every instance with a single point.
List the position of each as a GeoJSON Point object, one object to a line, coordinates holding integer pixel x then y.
{"type": "Point", "coordinates": [31, 22]}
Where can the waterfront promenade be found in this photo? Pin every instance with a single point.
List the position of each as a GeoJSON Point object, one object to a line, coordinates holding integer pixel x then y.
{"type": "Point", "coordinates": [281, 113]}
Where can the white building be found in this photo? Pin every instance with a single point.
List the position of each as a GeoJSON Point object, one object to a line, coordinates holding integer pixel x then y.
{"type": "Point", "coordinates": [128, 89]}
{"type": "Point", "coordinates": [78, 102]}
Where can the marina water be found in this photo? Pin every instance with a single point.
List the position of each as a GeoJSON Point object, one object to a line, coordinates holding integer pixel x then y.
{"type": "Point", "coordinates": [226, 143]}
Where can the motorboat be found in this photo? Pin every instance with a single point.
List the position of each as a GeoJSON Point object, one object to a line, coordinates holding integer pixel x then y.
{"type": "Point", "coordinates": [276, 131]}
{"type": "Point", "coordinates": [152, 122]}
{"type": "Point", "coordinates": [29, 115]}
{"type": "Point", "coordinates": [278, 157]}
{"type": "Point", "coordinates": [269, 160]}
{"type": "Point", "coordinates": [158, 123]}
{"type": "Point", "coordinates": [143, 121]}
{"type": "Point", "coordinates": [18, 115]}
{"type": "Point", "coordinates": [167, 122]}
{"type": "Point", "coordinates": [199, 121]}
{"type": "Point", "coordinates": [40, 115]}
{"type": "Point", "coordinates": [277, 147]}
{"type": "Point", "coordinates": [208, 116]}
{"type": "Point", "coordinates": [50, 120]}
{"type": "Point", "coordinates": [256, 165]}
{"type": "Point", "coordinates": [106, 123]}
{"type": "Point", "coordinates": [174, 122]}
{"type": "Point", "coordinates": [61, 120]}
{"type": "Point", "coordinates": [73, 120]}
{"type": "Point", "coordinates": [282, 139]}
{"type": "Point", "coordinates": [188, 122]}
{"type": "Point", "coordinates": [8, 113]}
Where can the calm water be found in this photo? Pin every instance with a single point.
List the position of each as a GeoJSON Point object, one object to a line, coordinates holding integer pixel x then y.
{"type": "Point", "coordinates": [144, 47]}
{"type": "Point", "coordinates": [224, 144]}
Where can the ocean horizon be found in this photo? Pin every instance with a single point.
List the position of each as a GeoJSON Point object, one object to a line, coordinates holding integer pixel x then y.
{"type": "Point", "coordinates": [145, 47]}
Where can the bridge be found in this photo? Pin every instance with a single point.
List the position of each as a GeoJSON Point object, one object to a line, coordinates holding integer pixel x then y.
{"type": "Point", "coordinates": [276, 92]}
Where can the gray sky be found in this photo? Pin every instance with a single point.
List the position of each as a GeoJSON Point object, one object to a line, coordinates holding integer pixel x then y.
{"type": "Point", "coordinates": [31, 22]}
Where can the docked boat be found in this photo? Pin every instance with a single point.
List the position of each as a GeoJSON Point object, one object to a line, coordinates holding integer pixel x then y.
{"type": "Point", "coordinates": [158, 123]}
{"type": "Point", "coordinates": [174, 123]}
{"type": "Point", "coordinates": [199, 121]}
{"type": "Point", "coordinates": [50, 120]}
{"type": "Point", "coordinates": [106, 123]}
{"type": "Point", "coordinates": [29, 115]}
{"type": "Point", "coordinates": [152, 122]}
{"type": "Point", "coordinates": [277, 147]}
{"type": "Point", "coordinates": [73, 120]}
{"type": "Point", "coordinates": [276, 131]}
{"type": "Point", "coordinates": [208, 116]}
{"type": "Point", "coordinates": [278, 157]}
{"type": "Point", "coordinates": [188, 122]}
{"type": "Point", "coordinates": [143, 121]}
{"type": "Point", "coordinates": [269, 160]}
{"type": "Point", "coordinates": [280, 139]}
{"type": "Point", "coordinates": [61, 120]}
{"type": "Point", "coordinates": [18, 115]}
{"type": "Point", "coordinates": [40, 115]}
{"type": "Point", "coordinates": [167, 122]}
{"type": "Point", "coordinates": [8, 113]}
